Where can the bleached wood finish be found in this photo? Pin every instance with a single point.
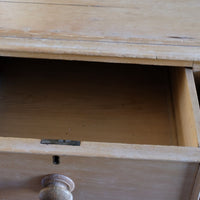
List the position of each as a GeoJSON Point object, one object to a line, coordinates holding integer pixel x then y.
{"type": "Point", "coordinates": [97, 178]}
{"type": "Point", "coordinates": [115, 31]}
{"type": "Point", "coordinates": [186, 107]}
{"type": "Point", "coordinates": [196, 187]}
{"type": "Point", "coordinates": [196, 71]}
{"type": "Point", "coordinates": [141, 106]}
{"type": "Point", "coordinates": [103, 150]}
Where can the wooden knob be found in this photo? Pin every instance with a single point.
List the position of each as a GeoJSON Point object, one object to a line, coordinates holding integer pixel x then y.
{"type": "Point", "coordinates": [56, 187]}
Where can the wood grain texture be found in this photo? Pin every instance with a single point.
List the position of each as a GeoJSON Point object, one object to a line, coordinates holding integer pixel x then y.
{"type": "Point", "coordinates": [196, 71]}
{"type": "Point", "coordinates": [102, 150]}
{"type": "Point", "coordinates": [97, 178]}
{"type": "Point", "coordinates": [121, 29]}
{"type": "Point", "coordinates": [196, 187]}
{"type": "Point", "coordinates": [14, 50]}
{"type": "Point", "coordinates": [186, 107]}
{"type": "Point", "coordinates": [86, 101]}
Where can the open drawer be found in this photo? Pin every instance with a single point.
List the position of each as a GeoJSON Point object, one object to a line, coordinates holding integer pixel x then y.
{"type": "Point", "coordinates": [138, 128]}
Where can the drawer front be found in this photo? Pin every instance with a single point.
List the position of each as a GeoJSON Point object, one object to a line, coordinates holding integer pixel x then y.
{"type": "Point", "coordinates": [97, 178]}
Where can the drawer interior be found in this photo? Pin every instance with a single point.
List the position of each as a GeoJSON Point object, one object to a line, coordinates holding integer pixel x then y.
{"type": "Point", "coordinates": [88, 101]}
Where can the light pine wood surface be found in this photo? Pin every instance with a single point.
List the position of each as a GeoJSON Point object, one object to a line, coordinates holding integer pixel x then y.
{"type": "Point", "coordinates": [157, 107]}
{"type": "Point", "coordinates": [186, 107]}
{"type": "Point", "coordinates": [97, 178]}
{"type": "Point", "coordinates": [115, 31]}
{"type": "Point", "coordinates": [196, 187]}
{"type": "Point", "coordinates": [103, 150]}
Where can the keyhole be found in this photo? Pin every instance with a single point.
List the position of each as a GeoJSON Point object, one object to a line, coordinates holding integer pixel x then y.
{"type": "Point", "coordinates": [56, 160]}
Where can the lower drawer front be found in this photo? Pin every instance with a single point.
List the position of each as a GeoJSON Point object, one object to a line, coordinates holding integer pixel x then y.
{"type": "Point", "coordinates": [97, 178]}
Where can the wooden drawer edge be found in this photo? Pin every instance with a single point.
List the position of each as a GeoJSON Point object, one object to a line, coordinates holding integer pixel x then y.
{"type": "Point", "coordinates": [194, 102]}
{"type": "Point", "coordinates": [196, 186]}
{"type": "Point", "coordinates": [104, 52]}
{"type": "Point", "coordinates": [105, 150]}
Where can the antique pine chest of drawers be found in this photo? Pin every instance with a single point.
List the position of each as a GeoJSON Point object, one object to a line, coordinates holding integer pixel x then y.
{"type": "Point", "coordinates": [101, 92]}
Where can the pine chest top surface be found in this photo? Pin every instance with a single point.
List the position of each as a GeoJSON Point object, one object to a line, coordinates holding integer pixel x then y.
{"type": "Point", "coordinates": [145, 32]}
